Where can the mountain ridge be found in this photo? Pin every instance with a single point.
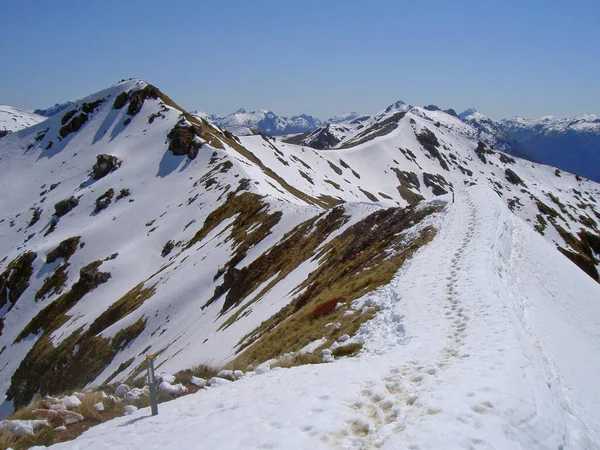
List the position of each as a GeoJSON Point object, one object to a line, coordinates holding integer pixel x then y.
{"type": "Point", "coordinates": [166, 231]}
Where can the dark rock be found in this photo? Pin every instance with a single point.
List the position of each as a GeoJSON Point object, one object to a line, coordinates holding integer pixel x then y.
{"type": "Point", "coordinates": [15, 279]}
{"type": "Point", "coordinates": [68, 116]}
{"type": "Point", "coordinates": [74, 125]}
{"type": "Point", "coordinates": [89, 108]}
{"type": "Point", "coordinates": [104, 165]}
{"type": "Point", "coordinates": [435, 182]}
{"type": "Point", "coordinates": [512, 177]}
{"type": "Point", "coordinates": [431, 108]}
{"type": "Point", "coordinates": [104, 200]}
{"type": "Point", "coordinates": [37, 212]}
{"type": "Point", "coordinates": [183, 140]}
{"type": "Point", "coordinates": [481, 151]}
{"type": "Point", "coordinates": [90, 276]}
{"type": "Point", "coordinates": [167, 248]}
{"type": "Point", "coordinates": [137, 98]}
{"type": "Point", "coordinates": [64, 206]}
{"type": "Point", "coordinates": [121, 100]}
{"type": "Point", "coordinates": [123, 193]}
{"type": "Point", "coordinates": [63, 250]}
{"type": "Point", "coordinates": [430, 143]}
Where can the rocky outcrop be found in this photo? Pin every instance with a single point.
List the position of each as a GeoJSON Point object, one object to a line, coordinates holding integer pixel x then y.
{"type": "Point", "coordinates": [105, 164]}
{"type": "Point", "coordinates": [64, 206]}
{"type": "Point", "coordinates": [512, 177]}
{"type": "Point", "coordinates": [64, 250]}
{"type": "Point", "coordinates": [15, 279]}
{"type": "Point", "coordinates": [74, 125]}
{"type": "Point", "coordinates": [185, 139]}
{"type": "Point", "coordinates": [104, 200]}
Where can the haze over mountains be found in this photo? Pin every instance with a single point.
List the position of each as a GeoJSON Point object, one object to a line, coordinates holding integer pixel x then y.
{"type": "Point", "coordinates": [414, 235]}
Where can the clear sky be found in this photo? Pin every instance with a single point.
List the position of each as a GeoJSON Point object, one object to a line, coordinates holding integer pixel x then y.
{"type": "Point", "coordinates": [505, 58]}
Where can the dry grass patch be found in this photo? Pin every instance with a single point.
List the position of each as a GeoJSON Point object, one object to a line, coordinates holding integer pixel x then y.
{"type": "Point", "coordinates": [347, 350]}
{"type": "Point", "coordinates": [299, 359]}
{"type": "Point", "coordinates": [7, 440]}
{"type": "Point", "coordinates": [359, 260]}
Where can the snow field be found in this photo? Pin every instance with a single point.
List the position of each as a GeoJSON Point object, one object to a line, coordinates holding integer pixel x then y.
{"type": "Point", "coordinates": [453, 360]}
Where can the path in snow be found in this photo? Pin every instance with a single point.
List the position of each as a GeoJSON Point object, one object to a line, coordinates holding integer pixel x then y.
{"type": "Point", "coordinates": [462, 355]}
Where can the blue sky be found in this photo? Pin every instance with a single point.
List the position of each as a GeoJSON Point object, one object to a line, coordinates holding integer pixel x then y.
{"type": "Point", "coordinates": [505, 58]}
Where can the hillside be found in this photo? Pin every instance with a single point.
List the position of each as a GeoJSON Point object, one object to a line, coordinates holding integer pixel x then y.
{"type": "Point", "coordinates": [141, 229]}
{"type": "Point", "coordinates": [13, 119]}
{"type": "Point", "coordinates": [461, 355]}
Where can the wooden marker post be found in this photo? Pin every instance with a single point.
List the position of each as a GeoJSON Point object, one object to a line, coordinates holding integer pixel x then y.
{"type": "Point", "coordinates": [152, 384]}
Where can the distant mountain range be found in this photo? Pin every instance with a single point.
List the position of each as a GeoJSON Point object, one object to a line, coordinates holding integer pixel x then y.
{"type": "Point", "coordinates": [242, 122]}
{"type": "Point", "coordinates": [571, 144]}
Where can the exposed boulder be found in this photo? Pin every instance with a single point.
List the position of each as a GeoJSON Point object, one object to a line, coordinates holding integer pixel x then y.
{"type": "Point", "coordinates": [15, 279]}
{"type": "Point", "coordinates": [513, 178]}
{"type": "Point", "coordinates": [91, 277]}
{"type": "Point", "coordinates": [64, 206]}
{"type": "Point", "coordinates": [137, 98]}
{"type": "Point", "coordinates": [185, 139]}
{"type": "Point", "coordinates": [63, 250]}
{"type": "Point", "coordinates": [105, 164]}
{"type": "Point", "coordinates": [121, 100]}
{"type": "Point", "coordinates": [37, 213]}
{"type": "Point", "coordinates": [74, 125]}
{"type": "Point", "coordinates": [435, 182]}
{"type": "Point", "coordinates": [104, 200]}
{"type": "Point", "coordinates": [481, 151]}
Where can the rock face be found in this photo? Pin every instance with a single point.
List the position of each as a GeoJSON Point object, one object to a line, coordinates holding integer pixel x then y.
{"type": "Point", "coordinates": [513, 177]}
{"type": "Point", "coordinates": [64, 206]}
{"type": "Point", "coordinates": [15, 279]}
{"type": "Point", "coordinates": [90, 276]}
{"type": "Point", "coordinates": [185, 140]}
{"type": "Point", "coordinates": [104, 200]}
{"type": "Point", "coordinates": [74, 125]}
{"type": "Point", "coordinates": [105, 164]}
{"type": "Point", "coordinates": [63, 250]}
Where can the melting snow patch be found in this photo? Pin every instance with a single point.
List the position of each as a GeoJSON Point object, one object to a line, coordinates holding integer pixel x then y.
{"type": "Point", "coordinates": [216, 381]}
{"type": "Point", "coordinates": [200, 382]}
{"type": "Point", "coordinates": [130, 409]}
{"type": "Point", "coordinates": [121, 390]}
{"type": "Point", "coordinates": [71, 402]}
{"type": "Point", "coordinates": [166, 377]}
{"type": "Point", "coordinates": [21, 428]}
{"type": "Point", "coordinates": [175, 389]}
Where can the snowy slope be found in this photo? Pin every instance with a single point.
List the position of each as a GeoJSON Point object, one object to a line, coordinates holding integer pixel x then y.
{"type": "Point", "coordinates": [13, 119]}
{"type": "Point", "coordinates": [396, 168]}
{"type": "Point", "coordinates": [202, 247]}
{"type": "Point", "coordinates": [488, 338]}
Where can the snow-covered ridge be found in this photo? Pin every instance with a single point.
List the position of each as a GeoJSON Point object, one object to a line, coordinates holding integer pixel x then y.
{"type": "Point", "coordinates": [462, 354]}
{"type": "Point", "coordinates": [14, 119]}
{"type": "Point", "coordinates": [191, 243]}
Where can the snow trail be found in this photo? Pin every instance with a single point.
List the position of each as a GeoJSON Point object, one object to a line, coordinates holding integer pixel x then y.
{"type": "Point", "coordinates": [463, 354]}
